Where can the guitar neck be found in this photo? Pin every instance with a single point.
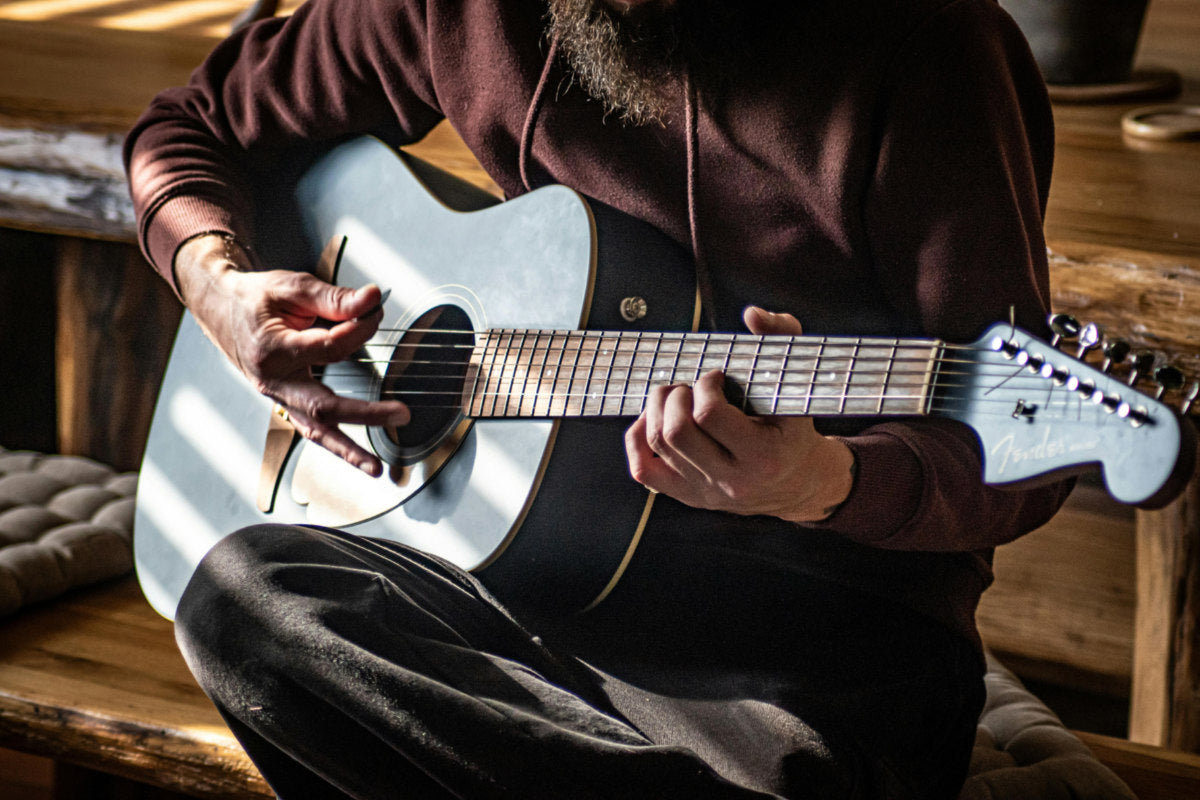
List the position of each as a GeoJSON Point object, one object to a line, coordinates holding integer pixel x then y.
{"type": "Point", "coordinates": [518, 373]}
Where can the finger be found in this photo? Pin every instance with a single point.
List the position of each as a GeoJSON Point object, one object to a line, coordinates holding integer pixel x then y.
{"type": "Point", "coordinates": [681, 442]}
{"type": "Point", "coordinates": [729, 429]}
{"type": "Point", "coordinates": [337, 442]}
{"type": "Point", "coordinates": [315, 297]}
{"type": "Point", "coordinates": [762, 322]}
{"type": "Point", "coordinates": [317, 403]}
{"type": "Point", "coordinates": [328, 345]}
{"type": "Point", "coordinates": [317, 412]}
{"type": "Point", "coordinates": [644, 464]}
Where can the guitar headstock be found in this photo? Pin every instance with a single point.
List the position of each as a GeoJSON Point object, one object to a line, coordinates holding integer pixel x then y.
{"type": "Point", "coordinates": [1041, 410]}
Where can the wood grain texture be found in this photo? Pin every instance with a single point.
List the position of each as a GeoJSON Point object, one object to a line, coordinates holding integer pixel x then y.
{"type": "Point", "coordinates": [1075, 613]}
{"type": "Point", "coordinates": [1114, 191]}
{"type": "Point", "coordinates": [95, 679]}
{"type": "Point", "coordinates": [1151, 772]}
{"type": "Point", "coordinates": [1146, 297]}
{"type": "Point", "coordinates": [116, 323]}
{"type": "Point", "coordinates": [1166, 692]}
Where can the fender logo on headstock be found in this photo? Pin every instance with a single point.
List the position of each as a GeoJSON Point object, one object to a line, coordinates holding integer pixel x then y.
{"type": "Point", "coordinates": [1008, 454]}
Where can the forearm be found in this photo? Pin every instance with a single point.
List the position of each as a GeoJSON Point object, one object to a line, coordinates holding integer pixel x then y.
{"type": "Point", "coordinates": [262, 105]}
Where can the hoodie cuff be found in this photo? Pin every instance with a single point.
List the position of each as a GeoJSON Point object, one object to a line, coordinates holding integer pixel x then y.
{"type": "Point", "coordinates": [887, 491]}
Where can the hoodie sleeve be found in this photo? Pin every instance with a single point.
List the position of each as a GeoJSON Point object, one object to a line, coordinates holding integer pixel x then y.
{"type": "Point", "coordinates": [278, 90]}
{"type": "Point", "coordinates": [954, 215]}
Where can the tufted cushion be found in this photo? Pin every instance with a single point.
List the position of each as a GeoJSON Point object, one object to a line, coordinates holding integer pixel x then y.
{"type": "Point", "coordinates": [1023, 751]}
{"type": "Point", "coordinates": [64, 522]}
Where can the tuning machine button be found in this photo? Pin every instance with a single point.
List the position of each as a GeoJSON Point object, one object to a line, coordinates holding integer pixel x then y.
{"type": "Point", "coordinates": [1140, 367]}
{"type": "Point", "coordinates": [1064, 327]}
{"type": "Point", "coordinates": [1190, 398]}
{"type": "Point", "coordinates": [1115, 351]}
{"type": "Point", "coordinates": [1090, 337]}
{"type": "Point", "coordinates": [1168, 378]}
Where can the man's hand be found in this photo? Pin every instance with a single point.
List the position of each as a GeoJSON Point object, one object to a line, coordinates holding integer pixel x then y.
{"type": "Point", "coordinates": [264, 323]}
{"type": "Point", "coordinates": [691, 444]}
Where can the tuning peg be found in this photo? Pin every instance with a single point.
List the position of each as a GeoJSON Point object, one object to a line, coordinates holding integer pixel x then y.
{"type": "Point", "coordinates": [1063, 326]}
{"type": "Point", "coordinates": [1168, 379]}
{"type": "Point", "coordinates": [1188, 399]}
{"type": "Point", "coordinates": [1115, 351]}
{"type": "Point", "coordinates": [1141, 366]}
{"type": "Point", "coordinates": [1090, 337]}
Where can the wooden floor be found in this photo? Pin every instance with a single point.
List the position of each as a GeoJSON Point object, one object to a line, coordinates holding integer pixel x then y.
{"type": "Point", "coordinates": [209, 18]}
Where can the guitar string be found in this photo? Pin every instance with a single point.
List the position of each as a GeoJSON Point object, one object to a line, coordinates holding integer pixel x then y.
{"type": "Point", "coordinates": [582, 402]}
{"type": "Point", "coordinates": [660, 359]}
{"type": "Point", "coordinates": [762, 373]}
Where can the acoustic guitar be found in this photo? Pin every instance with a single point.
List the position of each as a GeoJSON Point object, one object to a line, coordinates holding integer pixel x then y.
{"type": "Point", "coordinates": [523, 336]}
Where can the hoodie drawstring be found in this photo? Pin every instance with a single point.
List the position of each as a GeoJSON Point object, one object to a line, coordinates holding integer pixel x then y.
{"type": "Point", "coordinates": [692, 148]}
{"type": "Point", "coordinates": [692, 144]}
{"type": "Point", "coordinates": [535, 107]}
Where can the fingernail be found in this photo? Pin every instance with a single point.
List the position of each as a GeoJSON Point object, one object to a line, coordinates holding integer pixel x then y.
{"type": "Point", "coordinates": [383, 298]}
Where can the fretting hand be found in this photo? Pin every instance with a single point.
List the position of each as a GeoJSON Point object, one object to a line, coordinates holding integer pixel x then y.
{"type": "Point", "coordinates": [264, 323]}
{"type": "Point", "coordinates": [691, 444]}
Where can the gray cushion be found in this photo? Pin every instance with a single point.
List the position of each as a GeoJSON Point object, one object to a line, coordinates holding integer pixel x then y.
{"type": "Point", "coordinates": [1024, 752]}
{"type": "Point", "coordinates": [64, 522]}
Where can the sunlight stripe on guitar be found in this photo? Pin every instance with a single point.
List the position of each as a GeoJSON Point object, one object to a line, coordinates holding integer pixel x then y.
{"type": "Point", "coordinates": [206, 430]}
{"type": "Point", "coordinates": [507, 484]}
{"type": "Point", "coordinates": [180, 523]}
{"type": "Point", "coordinates": [380, 262]}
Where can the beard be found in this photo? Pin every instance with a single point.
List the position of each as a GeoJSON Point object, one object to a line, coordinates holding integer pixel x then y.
{"type": "Point", "coordinates": [632, 63]}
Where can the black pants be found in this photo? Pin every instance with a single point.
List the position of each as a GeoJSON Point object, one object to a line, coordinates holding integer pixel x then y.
{"type": "Point", "coordinates": [353, 667]}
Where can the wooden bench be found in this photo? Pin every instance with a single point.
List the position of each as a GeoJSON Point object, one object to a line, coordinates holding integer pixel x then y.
{"type": "Point", "coordinates": [94, 680]}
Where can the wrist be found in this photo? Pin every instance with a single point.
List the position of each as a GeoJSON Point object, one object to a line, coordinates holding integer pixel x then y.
{"type": "Point", "coordinates": [204, 259]}
{"type": "Point", "coordinates": [838, 466]}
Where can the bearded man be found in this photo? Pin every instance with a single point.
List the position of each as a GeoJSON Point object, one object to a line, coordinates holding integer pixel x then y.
{"type": "Point", "coordinates": [798, 619]}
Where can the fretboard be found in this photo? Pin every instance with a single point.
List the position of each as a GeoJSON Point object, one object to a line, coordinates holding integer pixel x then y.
{"type": "Point", "coordinates": [550, 373]}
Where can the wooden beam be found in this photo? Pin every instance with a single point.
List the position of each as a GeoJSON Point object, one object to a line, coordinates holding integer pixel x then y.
{"type": "Point", "coordinates": [1152, 773]}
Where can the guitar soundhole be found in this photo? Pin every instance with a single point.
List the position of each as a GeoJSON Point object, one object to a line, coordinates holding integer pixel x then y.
{"type": "Point", "coordinates": [426, 371]}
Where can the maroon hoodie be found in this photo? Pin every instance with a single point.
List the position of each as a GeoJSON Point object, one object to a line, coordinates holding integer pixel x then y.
{"type": "Point", "coordinates": [870, 167]}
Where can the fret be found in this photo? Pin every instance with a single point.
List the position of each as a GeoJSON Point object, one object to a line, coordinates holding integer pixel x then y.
{"type": "Point", "coordinates": [572, 402]}
{"type": "Point", "coordinates": [886, 375]}
{"type": "Point", "coordinates": [513, 369]}
{"type": "Point", "coordinates": [850, 364]}
{"type": "Point", "coordinates": [751, 378]}
{"type": "Point", "coordinates": [629, 393]}
{"type": "Point", "coordinates": [662, 375]}
{"type": "Point", "coordinates": [816, 368]}
{"type": "Point", "coordinates": [783, 368]}
{"type": "Point", "coordinates": [539, 403]}
{"type": "Point", "coordinates": [703, 348]}
{"type": "Point", "coordinates": [472, 402]}
{"type": "Point", "coordinates": [649, 381]}
{"type": "Point", "coordinates": [496, 375]}
{"type": "Point", "coordinates": [556, 406]}
{"type": "Point", "coordinates": [523, 370]}
{"type": "Point", "coordinates": [610, 348]}
{"type": "Point", "coordinates": [907, 384]}
{"type": "Point", "coordinates": [585, 396]}
{"type": "Point", "coordinates": [618, 375]}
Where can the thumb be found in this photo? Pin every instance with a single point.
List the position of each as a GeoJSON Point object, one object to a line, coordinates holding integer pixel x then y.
{"type": "Point", "coordinates": [338, 303]}
{"type": "Point", "coordinates": [760, 321]}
